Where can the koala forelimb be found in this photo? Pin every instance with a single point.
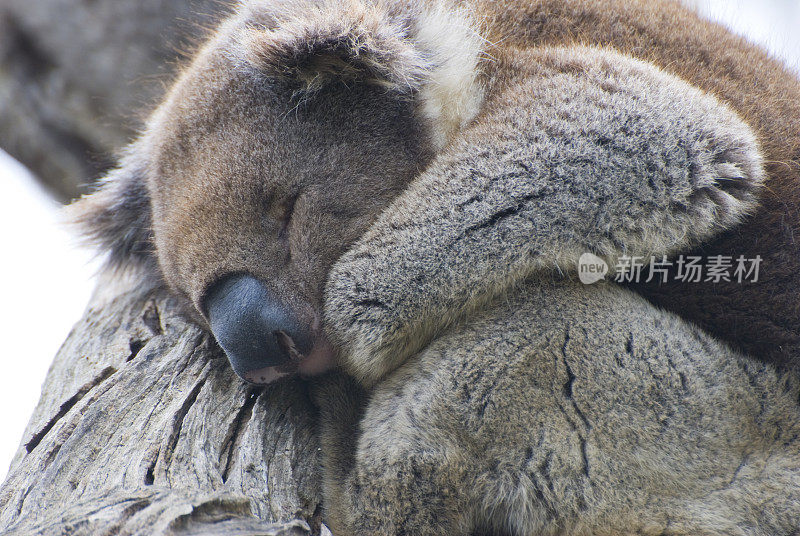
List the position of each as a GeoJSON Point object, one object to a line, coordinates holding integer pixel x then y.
{"type": "Point", "coordinates": [588, 151]}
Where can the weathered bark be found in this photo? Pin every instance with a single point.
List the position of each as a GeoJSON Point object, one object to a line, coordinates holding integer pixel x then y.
{"type": "Point", "coordinates": [75, 74]}
{"type": "Point", "coordinates": [143, 428]}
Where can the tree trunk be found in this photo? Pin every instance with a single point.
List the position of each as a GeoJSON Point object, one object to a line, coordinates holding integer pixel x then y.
{"type": "Point", "coordinates": [76, 74]}
{"type": "Point", "coordinates": [143, 428]}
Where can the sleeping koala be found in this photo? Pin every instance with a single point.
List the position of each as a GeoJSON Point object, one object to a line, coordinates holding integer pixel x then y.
{"type": "Point", "coordinates": [402, 189]}
{"type": "Point", "coordinates": [215, 201]}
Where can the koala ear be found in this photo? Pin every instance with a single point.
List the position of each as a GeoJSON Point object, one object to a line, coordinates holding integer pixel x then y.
{"type": "Point", "coordinates": [433, 53]}
{"type": "Point", "coordinates": [343, 41]}
{"type": "Point", "coordinates": [116, 218]}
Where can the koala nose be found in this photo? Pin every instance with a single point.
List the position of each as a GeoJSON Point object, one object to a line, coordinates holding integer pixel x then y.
{"type": "Point", "coordinates": [255, 329]}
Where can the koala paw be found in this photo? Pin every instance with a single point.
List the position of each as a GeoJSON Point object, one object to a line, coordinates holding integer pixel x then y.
{"type": "Point", "coordinates": [727, 172]}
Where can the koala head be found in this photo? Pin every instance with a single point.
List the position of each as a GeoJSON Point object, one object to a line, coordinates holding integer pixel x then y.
{"type": "Point", "coordinates": [294, 126]}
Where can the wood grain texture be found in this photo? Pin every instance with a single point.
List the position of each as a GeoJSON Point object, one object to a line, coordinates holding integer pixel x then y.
{"type": "Point", "coordinates": [143, 428]}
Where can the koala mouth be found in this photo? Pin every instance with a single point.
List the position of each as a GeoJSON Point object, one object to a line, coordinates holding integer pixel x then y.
{"type": "Point", "coordinates": [265, 339]}
{"type": "Point", "coordinates": [320, 359]}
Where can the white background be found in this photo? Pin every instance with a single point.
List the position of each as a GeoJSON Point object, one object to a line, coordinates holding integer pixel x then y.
{"type": "Point", "coordinates": [46, 280]}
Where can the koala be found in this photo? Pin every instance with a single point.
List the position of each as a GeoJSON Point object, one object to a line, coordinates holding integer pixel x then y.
{"type": "Point", "coordinates": [298, 122]}
{"type": "Point", "coordinates": [401, 190]}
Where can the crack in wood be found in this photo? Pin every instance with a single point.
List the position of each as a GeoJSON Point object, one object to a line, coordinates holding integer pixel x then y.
{"type": "Point", "coordinates": [135, 346]}
{"type": "Point", "coordinates": [149, 474]}
{"type": "Point", "coordinates": [37, 438]}
{"type": "Point", "coordinates": [152, 318]}
{"type": "Point", "coordinates": [177, 423]}
{"type": "Point", "coordinates": [233, 438]}
{"type": "Point", "coordinates": [136, 506]}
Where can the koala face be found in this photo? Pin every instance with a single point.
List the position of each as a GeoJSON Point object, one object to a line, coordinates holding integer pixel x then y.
{"type": "Point", "coordinates": [258, 191]}
{"type": "Point", "coordinates": [272, 153]}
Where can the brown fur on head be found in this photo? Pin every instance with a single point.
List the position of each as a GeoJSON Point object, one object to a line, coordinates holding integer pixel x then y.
{"type": "Point", "coordinates": [293, 127]}
{"type": "Point", "coordinates": [236, 174]}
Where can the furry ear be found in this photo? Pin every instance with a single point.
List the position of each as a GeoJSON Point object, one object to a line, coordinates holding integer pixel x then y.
{"type": "Point", "coordinates": [344, 40]}
{"type": "Point", "coordinates": [116, 218]}
{"type": "Point", "coordinates": [432, 52]}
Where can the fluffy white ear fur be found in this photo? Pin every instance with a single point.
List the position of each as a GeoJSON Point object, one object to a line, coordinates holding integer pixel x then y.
{"type": "Point", "coordinates": [431, 53]}
{"type": "Point", "coordinates": [453, 93]}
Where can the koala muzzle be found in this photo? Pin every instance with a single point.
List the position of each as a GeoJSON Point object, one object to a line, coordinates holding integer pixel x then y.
{"type": "Point", "coordinates": [257, 332]}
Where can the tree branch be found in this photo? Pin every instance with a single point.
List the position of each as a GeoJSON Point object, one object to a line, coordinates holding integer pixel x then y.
{"type": "Point", "coordinates": [76, 74]}
{"type": "Point", "coordinates": [143, 428]}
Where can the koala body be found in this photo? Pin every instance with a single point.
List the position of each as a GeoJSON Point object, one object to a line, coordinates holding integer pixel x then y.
{"type": "Point", "coordinates": [506, 398]}
{"type": "Point", "coordinates": [402, 189]}
{"type": "Point", "coordinates": [566, 410]}
{"type": "Point", "coordinates": [298, 122]}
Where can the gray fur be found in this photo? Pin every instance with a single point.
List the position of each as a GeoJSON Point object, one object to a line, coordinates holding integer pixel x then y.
{"type": "Point", "coordinates": [316, 44]}
{"type": "Point", "coordinates": [555, 408]}
{"type": "Point", "coordinates": [569, 410]}
{"type": "Point", "coordinates": [588, 151]}
{"type": "Point", "coordinates": [118, 217]}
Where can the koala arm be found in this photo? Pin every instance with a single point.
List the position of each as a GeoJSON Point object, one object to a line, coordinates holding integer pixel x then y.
{"type": "Point", "coordinates": [585, 151]}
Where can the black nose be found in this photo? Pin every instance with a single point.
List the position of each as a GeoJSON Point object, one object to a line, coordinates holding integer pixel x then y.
{"type": "Point", "coordinates": [253, 328]}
